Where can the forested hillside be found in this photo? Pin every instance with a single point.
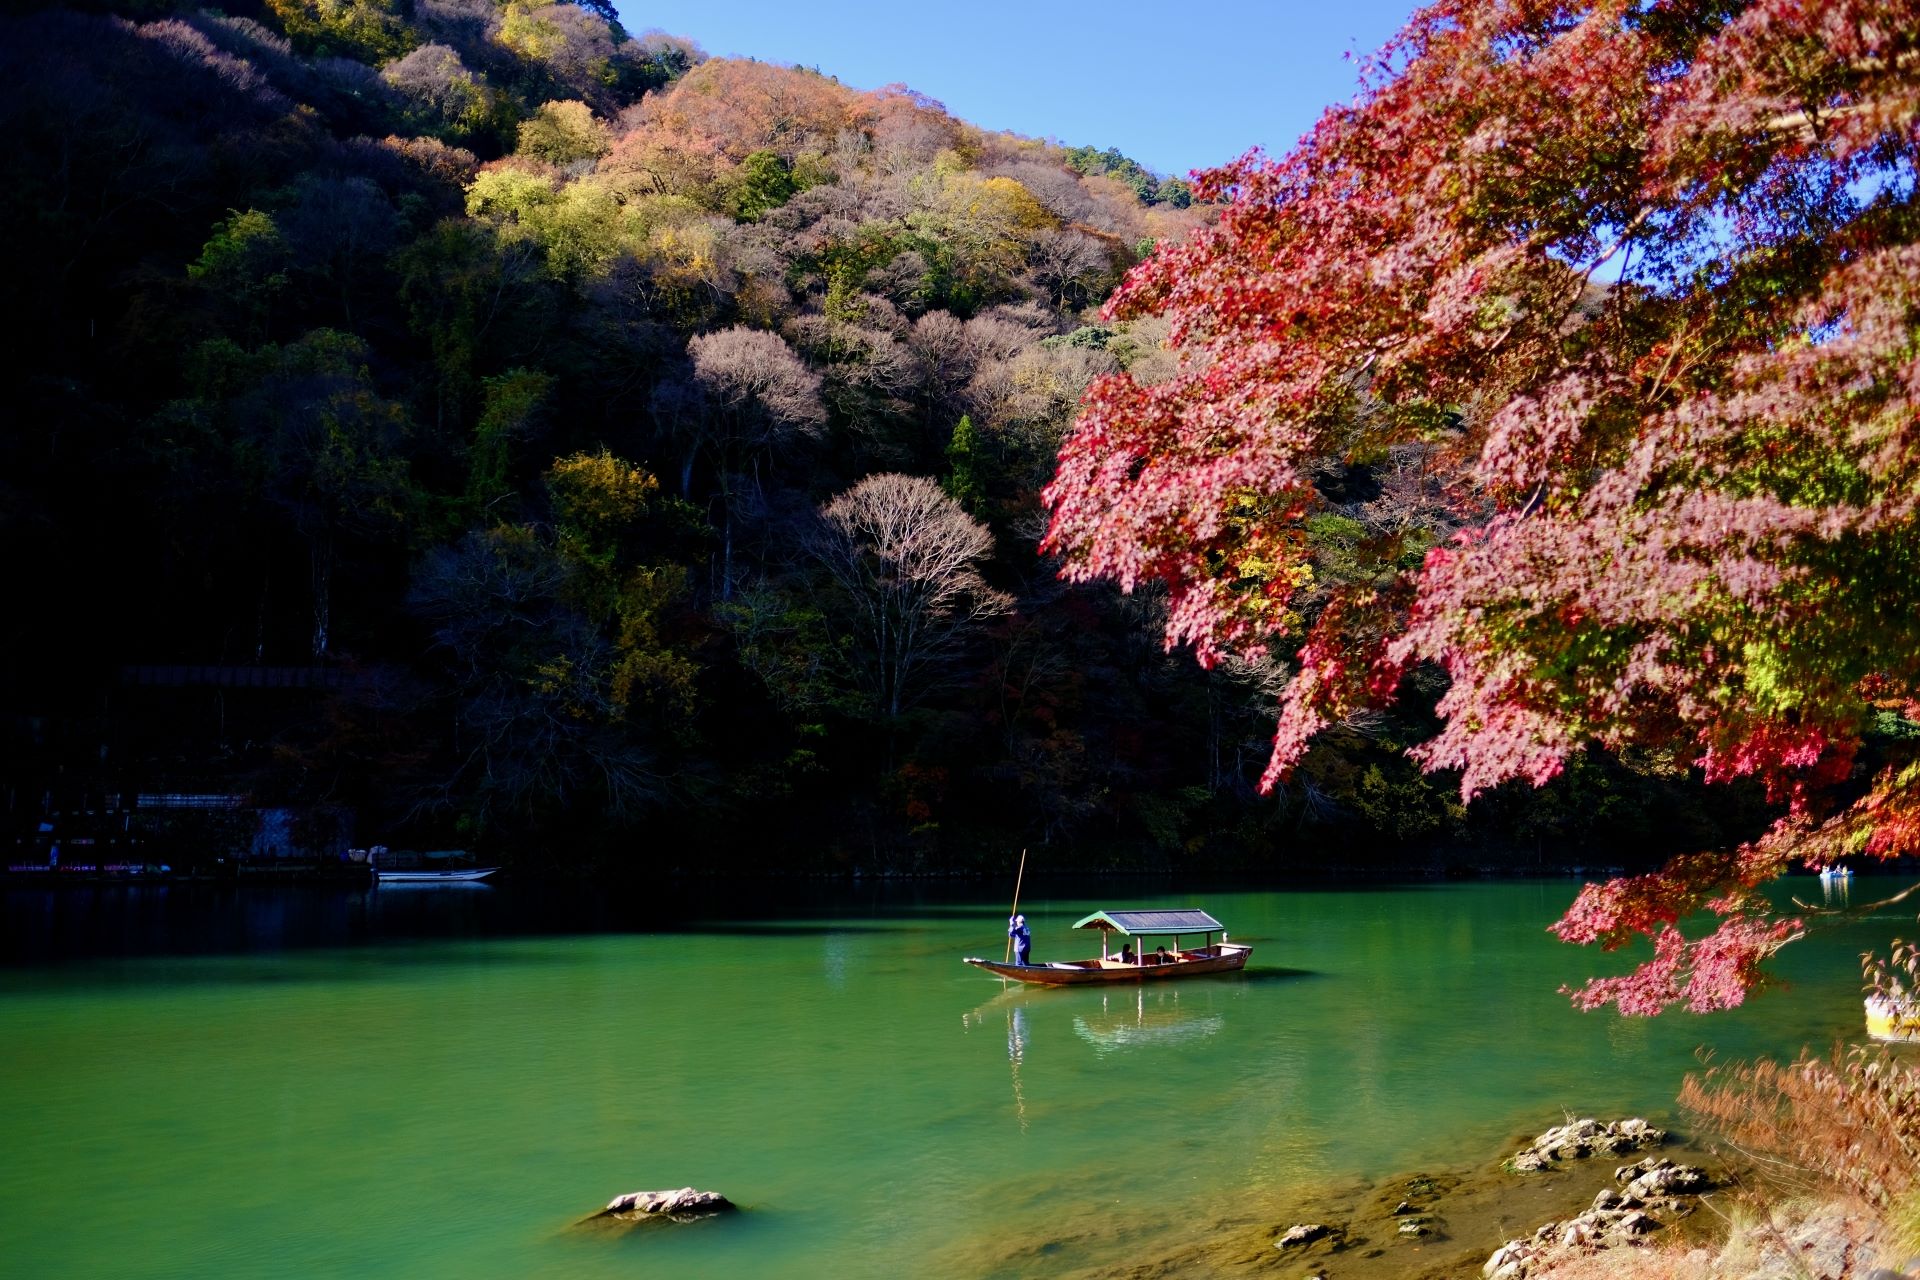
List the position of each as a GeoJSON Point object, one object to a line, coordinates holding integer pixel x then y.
{"type": "Point", "coordinates": [617, 455]}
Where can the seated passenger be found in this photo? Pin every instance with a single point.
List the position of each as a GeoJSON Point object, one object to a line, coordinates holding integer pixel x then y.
{"type": "Point", "coordinates": [1126, 953]}
{"type": "Point", "coordinates": [1161, 956]}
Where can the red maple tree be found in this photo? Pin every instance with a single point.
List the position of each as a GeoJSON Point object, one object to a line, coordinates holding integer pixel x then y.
{"type": "Point", "coordinates": [1640, 279]}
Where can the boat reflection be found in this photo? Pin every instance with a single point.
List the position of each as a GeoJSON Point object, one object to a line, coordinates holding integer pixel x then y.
{"type": "Point", "coordinates": [1130, 1020]}
{"type": "Point", "coordinates": [1111, 1019]}
{"type": "Point", "coordinates": [1108, 1019]}
{"type": "Point", "coordinates": [1017, 1050]}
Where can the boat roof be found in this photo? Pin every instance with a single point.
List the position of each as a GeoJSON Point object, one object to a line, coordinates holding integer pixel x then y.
{"type": "Point", "coordinates": [1150, 922]}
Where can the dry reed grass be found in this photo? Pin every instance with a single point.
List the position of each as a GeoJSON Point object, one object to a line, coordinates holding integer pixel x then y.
{"type": "Point", "coordinates": [1847, 1124]}
{"type": "Point", "coordinates": [1833, 1146]}
{"type": "Point", "coordinates": [1651, 1263]}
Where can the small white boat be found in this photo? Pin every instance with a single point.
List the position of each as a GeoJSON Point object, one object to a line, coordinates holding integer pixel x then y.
{"type": "Point", "coordinates": [434, 877]}
{"type": "Point", "coordinates": [1895, 1018]}
{"type": "Point", "coordinates": [442, 866]}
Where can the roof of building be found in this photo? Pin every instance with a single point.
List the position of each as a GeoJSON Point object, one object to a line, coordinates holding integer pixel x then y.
{"type": "Point", "coordinates": [1152, 922]}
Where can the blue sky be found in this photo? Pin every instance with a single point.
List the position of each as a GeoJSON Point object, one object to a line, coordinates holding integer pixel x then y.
{"type": "Point", "coordinates": [1174, 85]}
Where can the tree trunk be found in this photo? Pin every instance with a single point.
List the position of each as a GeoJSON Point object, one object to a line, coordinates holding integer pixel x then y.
{"type": "Point", "coordinates": [321, 564]}
{"type": "Point", "coordinates": [726, 545]}
{"type": "Point", "coordinates": [260, 620]}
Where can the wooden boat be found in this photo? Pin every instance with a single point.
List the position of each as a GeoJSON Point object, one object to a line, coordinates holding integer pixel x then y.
{"type": "Point", "coordinates": [1168, 926]}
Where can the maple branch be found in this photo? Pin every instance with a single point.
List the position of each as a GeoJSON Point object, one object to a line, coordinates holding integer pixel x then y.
{"type": "Point", "coordinates": [1863, 909]}
{"type": "Point", "coordinates": [1806, 122]}
{"type": "Point", "coordinates": [1620, 242]}
{"type": "Point", "coordinates": [1533, 500]}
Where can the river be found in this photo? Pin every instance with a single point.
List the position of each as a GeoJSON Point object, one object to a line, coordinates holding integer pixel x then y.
{"type": "Point", "coordinates": [436, 1082]}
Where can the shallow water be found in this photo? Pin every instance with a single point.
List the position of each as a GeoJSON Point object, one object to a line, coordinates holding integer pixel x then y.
{"type": "Point", "coordinates": [437, 1082]}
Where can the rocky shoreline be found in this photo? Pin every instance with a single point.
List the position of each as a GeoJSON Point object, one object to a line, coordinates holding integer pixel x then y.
{"type": "Point", "coordinates": [1440, 1226]}
{"type": "Point", "coordinates": [1435, 1228]}
{"type": "Point", "coordinates": [1650, 1194]}
{"type": "Point", "coordinates": [1573, 1188]}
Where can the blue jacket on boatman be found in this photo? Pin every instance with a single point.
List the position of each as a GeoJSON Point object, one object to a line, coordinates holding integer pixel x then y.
{"type": "Point", "coordinates": [1022, 939]}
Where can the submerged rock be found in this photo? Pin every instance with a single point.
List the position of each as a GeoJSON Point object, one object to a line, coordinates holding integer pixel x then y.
{"type": "Point", "coordinates": [681, 1205]}
{"type": "Point", "coordinates": [1302, 1233]}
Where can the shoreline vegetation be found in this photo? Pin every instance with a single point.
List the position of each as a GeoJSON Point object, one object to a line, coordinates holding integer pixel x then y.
{"type": "Point", "coordinates": [498, 420]}
{"type": "Point", "coordinates": [132, 870]}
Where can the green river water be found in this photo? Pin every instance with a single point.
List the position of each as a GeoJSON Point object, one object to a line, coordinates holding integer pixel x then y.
{"type": "Point", "coordinates": [436, 1082]}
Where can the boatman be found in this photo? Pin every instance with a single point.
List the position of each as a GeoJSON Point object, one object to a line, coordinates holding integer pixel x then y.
{"type": "Point", "coordinates": [1022, 939]}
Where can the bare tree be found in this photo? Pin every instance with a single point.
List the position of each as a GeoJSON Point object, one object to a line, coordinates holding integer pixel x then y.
{"type": "Point", "coordinates": [1057, 188]}
{"type": "Point", "coordinates": [870, 376]}
{"type": "Point", "coordinates": [906, 555]}
{"type": "Point", "coordinates": [947, 360]}
{"type": "Point", "coordinates": [756, 375]}
{"type": "Point", "coordinates": [759, 394]}
{"type": "Point", "coordinates": [537, 721]}
{"type": "Point", "coordinates": [1069, 266]}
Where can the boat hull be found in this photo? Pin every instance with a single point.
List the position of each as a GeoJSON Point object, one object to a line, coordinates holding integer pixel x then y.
{"type": "Point", "coordinates": [435, 877]}
{"type": "Point", "coordinates": [1226, 958]}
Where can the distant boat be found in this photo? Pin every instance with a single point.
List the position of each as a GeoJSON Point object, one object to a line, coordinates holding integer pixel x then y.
{"type": "Point", "coordinates": [1893, 1018]}
{"type": "Point", "coordinates": [434, 877]}
{"type": "Point", "coordinates": [1830, 874]}
{"type": "Point", "coordinates": [1166, 926]}
{"type": "Point", "coordinates": [417, 868]}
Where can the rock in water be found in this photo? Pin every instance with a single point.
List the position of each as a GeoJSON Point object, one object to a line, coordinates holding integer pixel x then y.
{"type": "Point", "coordinates": [678, 1205]}
{"type": "Point", "coordinates": [1302, 1233]}
{"type": "Point", "coordinates": [1578, 1139]}
{"type": "Point", "coordinates": [1655, 1177]}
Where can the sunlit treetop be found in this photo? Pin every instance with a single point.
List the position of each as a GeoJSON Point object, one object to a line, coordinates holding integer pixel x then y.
{"type": "Point", "coordinates": [1638, 282]}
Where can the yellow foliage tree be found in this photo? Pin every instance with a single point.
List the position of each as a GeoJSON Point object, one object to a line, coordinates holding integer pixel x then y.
{"type": "Point", "coordinates": [988, 222]}
{"type": "Point", "coordinates": [598, 495]}
{"type": "Point", "coordinates": [600, 505]}
{"type": "Point", "coordinates": [368, 29]}
{"type": "Point", "coordinates": [563, 133]}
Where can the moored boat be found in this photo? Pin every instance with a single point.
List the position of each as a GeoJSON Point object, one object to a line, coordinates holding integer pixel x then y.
{"type": "Point", "coordinates": [1890, 1018]}
{"type": "Point", "coordinates": [1172, 926]}
{"type": "Point", "coordinates": [441, 866]}
{"type": "Point", "coordinates": [466, 875]}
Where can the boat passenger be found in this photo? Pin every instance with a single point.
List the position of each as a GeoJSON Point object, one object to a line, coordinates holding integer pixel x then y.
{"type": "Point", "coordinates": [1126, 953]}
{"type": "Point", "coordinates": [1161, 956]}
{"type": "Point", "coordinates": [1022, 939]}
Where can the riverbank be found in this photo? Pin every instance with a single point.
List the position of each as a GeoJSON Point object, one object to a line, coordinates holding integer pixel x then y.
{"type": "Point", "coordinates": [1442, 1222]}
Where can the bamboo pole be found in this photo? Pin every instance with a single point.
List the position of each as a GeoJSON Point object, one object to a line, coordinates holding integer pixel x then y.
{"type": "Point", "coordinates": [1016, 901]}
